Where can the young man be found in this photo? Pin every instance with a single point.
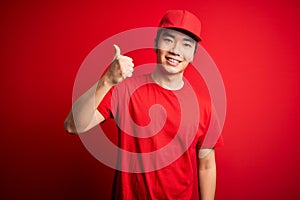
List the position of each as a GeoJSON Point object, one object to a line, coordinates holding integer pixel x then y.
{"type": "Point", "coordinates": [184, 176]}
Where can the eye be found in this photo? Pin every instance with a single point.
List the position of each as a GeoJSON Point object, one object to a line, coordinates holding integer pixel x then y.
{"type": "Point", "coordinates": [187, 45]}
{"type": "Point", "coordinates": [168, 40]}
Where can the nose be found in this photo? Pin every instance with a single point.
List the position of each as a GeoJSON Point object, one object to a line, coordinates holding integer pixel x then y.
{"type": "Point", "coordinates": [175, 49]}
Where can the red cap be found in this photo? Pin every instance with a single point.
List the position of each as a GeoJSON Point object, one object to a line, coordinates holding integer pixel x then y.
{"type": "Point", "coordinates": [184, 20]}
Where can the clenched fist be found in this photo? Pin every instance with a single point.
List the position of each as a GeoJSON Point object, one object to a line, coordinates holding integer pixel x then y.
{"type": "Point", "coordinates": [120, 68]}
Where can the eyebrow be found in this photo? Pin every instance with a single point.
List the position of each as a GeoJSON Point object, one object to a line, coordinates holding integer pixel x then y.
{"type": "Point", "coordinates": [166, 34]}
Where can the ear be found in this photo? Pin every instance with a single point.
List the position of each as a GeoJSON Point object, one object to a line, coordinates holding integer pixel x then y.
{"type": "Point", "coordinates": [192, 58]}
{"type": "Point", "coordinates": [195, 51]}
{"type": "Point", "coordinates": [155, 44]}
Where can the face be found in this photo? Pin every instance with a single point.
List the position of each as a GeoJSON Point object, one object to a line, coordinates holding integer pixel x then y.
{"type": "Point", "coordinates": [174, 50]}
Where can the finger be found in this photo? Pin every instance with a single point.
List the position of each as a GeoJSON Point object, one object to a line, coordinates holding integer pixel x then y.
{"type": "Point", "coordinates": [131, 64]}
{"type": "Point", "coordinates": [127, 58]}
{"type": "Point", "coordinates": [117, 51]}
{"type": "Point", "coordinates": [130, 69]}
{"type": "Point", "coordinates": [129, 74]}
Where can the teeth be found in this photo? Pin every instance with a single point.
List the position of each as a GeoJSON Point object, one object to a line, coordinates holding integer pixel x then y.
{"type": "Point", "coordinates": [172, 60]}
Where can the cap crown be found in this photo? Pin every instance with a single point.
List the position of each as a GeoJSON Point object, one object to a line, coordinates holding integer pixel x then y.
{"type": "Point", "coordinates": [184, 20]}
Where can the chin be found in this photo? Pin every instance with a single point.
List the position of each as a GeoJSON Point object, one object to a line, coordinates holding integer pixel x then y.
{"type": "Point", "coordinates": [171, 69]}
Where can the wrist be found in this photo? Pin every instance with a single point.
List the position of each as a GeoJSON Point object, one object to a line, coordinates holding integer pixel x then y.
{"type": "Point", "coordinates": [106, 81]}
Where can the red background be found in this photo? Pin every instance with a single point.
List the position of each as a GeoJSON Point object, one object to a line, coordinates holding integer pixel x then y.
{"type": "Point", "coordinates": [43, 43]}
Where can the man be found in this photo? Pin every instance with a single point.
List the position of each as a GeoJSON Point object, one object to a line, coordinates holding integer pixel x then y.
{"type": "Point", "coordinates": [183, 176]}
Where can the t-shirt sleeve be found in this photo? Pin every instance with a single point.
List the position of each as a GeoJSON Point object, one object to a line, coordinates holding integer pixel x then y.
{"type": "Point", "coordinates": [105, 105]}
{"type": "Point", "coordinates": [213, 137]}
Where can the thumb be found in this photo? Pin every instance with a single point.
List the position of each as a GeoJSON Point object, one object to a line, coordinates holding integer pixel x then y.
{"type": "Point", "coordinates": [117, 51]}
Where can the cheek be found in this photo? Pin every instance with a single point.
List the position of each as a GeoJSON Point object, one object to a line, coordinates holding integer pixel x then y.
{"type": "Point", "coordinates": [189, 58]}
{"type": "Point", "coordinates": [163, 47]}
{"type": "Point", "coordinates": [160, 53]}
{"type": "Point", "coordinates": [159, 56]}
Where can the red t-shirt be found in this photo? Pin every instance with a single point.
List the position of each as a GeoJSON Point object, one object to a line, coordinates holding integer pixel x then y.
{"type": "Point", "coordinates": [165, 129]}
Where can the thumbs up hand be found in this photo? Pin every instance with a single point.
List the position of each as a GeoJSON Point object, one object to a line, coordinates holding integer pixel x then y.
{"type": "Point", "coordinates": [120, 68]}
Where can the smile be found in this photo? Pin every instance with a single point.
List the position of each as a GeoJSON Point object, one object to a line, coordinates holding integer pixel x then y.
{"type": "Point", "coordinates": [173, 61]}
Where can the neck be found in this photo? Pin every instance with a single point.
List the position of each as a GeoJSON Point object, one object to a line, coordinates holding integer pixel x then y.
{"type": "Point", "coordinates": [168, 81]}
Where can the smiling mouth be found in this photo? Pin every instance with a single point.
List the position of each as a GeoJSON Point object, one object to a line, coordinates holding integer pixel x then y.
{"type": "Point", "coordinates": [173, 61]}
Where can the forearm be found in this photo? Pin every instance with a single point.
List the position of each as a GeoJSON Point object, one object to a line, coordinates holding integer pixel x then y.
{"type": "Point", "coordinates": [207, 177]}
{"type": "Point", "coordinates": [207, 183]}
{"type": "Point", "coordinates": [84, 114]}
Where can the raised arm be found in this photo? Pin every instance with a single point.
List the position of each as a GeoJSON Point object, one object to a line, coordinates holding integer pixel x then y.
{"type": "Point", "coordinates": [84, 114]}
